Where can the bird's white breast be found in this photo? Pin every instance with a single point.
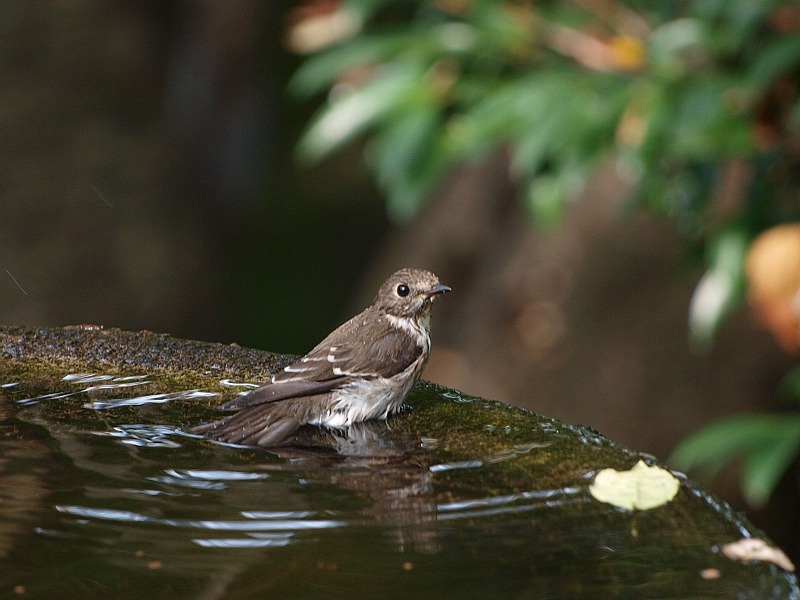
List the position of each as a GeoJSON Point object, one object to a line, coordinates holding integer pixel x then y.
{"type": "Point", "coordinates": [377, 397]}
{"type": "Point", "coordinates": [364, 399]}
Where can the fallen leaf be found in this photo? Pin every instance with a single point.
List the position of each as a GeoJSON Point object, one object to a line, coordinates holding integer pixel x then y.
{"type": "Point", "coordinates": [639, 488]}
{"type": "Point", "coordinates": [757, 549]}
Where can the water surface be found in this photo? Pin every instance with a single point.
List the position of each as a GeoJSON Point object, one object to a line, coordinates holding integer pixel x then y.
{"type": "Point", "coordinates": [104, 494]}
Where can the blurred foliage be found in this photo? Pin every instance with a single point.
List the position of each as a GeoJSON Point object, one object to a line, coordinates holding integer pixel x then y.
{"type": "Point", "coordinates": [695, 103]}
{"type": "Point", "coordinates": [766, 444]}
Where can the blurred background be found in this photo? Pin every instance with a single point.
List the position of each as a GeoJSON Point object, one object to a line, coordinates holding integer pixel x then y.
{"type": "Point", "coordinates": [591, 177]}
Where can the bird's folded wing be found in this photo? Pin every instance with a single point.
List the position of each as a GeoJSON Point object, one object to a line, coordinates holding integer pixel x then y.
{"type": "Point", "coordinates": [273, 392]}
{"type": "Point", "coordinates": [389, 352]}
{"type": "Point", "coordinates": [388, 355]}
{"type": "Point", "coordinates": [332, 365]}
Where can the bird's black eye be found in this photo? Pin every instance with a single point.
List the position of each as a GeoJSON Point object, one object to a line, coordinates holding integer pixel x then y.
{"type": "Point", "coordinates": [402, 290]}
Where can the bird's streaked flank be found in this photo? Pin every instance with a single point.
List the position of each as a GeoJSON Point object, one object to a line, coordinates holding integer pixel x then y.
{"type": "Point", "coordinates": [363, 370]}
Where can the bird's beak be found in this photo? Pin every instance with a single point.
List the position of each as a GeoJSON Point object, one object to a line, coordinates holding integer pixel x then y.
{"type": "Point", "coordinates": [437, 289]}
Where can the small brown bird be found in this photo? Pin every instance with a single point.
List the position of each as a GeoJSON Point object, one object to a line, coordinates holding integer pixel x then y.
{"type": "Point", "coordinates": [363, 370]}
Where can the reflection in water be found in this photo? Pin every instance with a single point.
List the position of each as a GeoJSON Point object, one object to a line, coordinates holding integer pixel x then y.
{"type": "Point", "coordinates": [388, 466]}
{"type": "Point", "coordinates": [23, 485]}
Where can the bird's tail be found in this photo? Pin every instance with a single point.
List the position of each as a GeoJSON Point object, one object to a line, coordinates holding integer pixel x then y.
{"type": "Point", "coordinates": [263, 425]}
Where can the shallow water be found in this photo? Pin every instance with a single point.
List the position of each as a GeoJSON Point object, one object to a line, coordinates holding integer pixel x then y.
{"type": "Point", "coordinates": [103, 494]}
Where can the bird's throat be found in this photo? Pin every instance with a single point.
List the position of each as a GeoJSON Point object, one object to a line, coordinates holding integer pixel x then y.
{"type": "Point", "coordinates": [418, 327]}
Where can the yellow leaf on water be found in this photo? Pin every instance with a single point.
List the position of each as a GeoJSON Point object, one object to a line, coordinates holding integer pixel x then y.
{"type": "Point", "coordinates": [639, 488]}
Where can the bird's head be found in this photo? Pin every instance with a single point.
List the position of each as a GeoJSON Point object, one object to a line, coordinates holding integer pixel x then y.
{"type": "Point", "coordinates": [408, 293]}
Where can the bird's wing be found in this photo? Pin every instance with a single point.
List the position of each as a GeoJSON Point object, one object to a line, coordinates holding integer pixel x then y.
{"type": "Point", "coordinates": [387, 355]}
{"type": "Point", "coordinates": [384, 352]}
{"type": "Point", "coordinates": [282, 390]}
{"type": "Point", "coordinates": [332, 364]}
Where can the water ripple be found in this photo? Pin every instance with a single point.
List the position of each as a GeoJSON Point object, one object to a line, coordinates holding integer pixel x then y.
{"type": "Point", "coordinates": [516, 450]}
{"type": "Point", "coordinates": [145, 436]}
{"type": "Point", "coordinates": [149, 399]}
{"type": "Point", "coordinates": [463, 464]}
{"type": "Point", "coordinates": [92, 377]}
{"type": "Point", "coordinates": [114, 383]}
{"type": "Point", "coordinates": [215, 475]}
{"type": "Point", "coordinates": [506, 454]}
{"type": "Point", "coordinates": [457, 396]}
{"type": "Point", "coordinates": [231, 383]}
{"type": "Point", "coordinates": [272, 514]}
{"type": "Point", "coordinates": [502, 510]}
{"type": "Point", "coordinates": [244, 542]}
{"type": "Point", "coordinates": [510, 503]}
{"type": "Point", "coordinates": [509, 498]}
{"type": "Point", "coordinates": [205, 480]}
{"type": "Point", "coordinates": [265, 531]}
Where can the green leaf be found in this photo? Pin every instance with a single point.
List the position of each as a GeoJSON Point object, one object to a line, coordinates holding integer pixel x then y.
{"type": "Point", "coordinates": [791, 384]}
{"type": "Point", "coordinates": [793, 121]}
{"type": "Point", "coordinates": [406, 157]}
{"type": "Point", "coordinates": [780, 56]}
{"type": "Point", "coordinates": [735, 22]}
{"type": "Point", "coordinates": [367, 8]}
{"type": "Point", "coordinates": [767, 443]}
{"type": "Point", "coordinates": [704, 128]}
{"type": "Point", "coordinates": [764, 466]}
{"type": "Point", "coordinates": [547, 199]}
{"type": "Point", "coordinates": [496, 114]}
{"type": "Point", "coordinates": [500, 28]}
{"type": "Point", "coordinates": [715, 446]}
{"type": "Point", "coordinates": [318, 73]}
{"type": "Point", "coordinates": [668, 41]}
{"type": "Point", "coordinates": [355, 111]}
